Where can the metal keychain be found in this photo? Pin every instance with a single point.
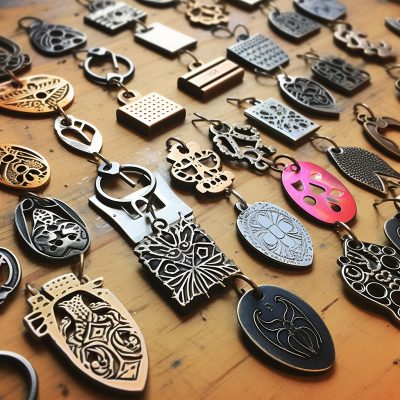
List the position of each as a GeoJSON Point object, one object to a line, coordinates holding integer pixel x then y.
{"type": "Point", "coordinates": [9, 261]}
{"type": "Point", "coordinates": [12, 60]}
{"type": "Point", "coordinates": [392, 226]}
{"type": "Point", "coordinates": [324, 10]}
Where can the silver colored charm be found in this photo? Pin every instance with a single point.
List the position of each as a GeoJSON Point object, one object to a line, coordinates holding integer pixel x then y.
{"type": "Point", "coordinates": [325, 10]}
{"type": "Point", "coordinates": [9, 261]}
{"type": "Point", "coordinates": [393, 24]}
{"type": "Point", "coordinates": [184, 259]}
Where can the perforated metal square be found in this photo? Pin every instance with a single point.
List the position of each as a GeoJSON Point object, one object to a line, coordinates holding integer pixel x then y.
{"type": "Point", "coordinates": [258, 52]}
{"type": "Point", "coordinates": [151, 113]}
{"type": "Point", "coordinates": [272, 115]}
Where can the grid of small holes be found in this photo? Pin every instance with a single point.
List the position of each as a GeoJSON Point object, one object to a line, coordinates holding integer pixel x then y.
{"type": "Point", "coordinates": [116, 16]}
{"type": "Point", "coordinates": [260, 51]}
{"type": "Point", "coordinates": [151, 108]}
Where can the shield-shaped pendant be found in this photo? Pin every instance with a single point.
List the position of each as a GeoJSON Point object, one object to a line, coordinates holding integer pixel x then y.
{"type": "Point", "coordinates": [93, 330]}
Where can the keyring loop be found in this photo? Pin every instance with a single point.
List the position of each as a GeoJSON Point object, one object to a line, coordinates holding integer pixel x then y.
{"type": "Point", "coordinates": [197, 63]}
{"type": "Point", "coordinates": [28, 370]}
{"type": "Point", "coordinates": [27, 18]}
{"type": "Point", "coordinates": [75, 53]}
{"type": "Point", "coordinates": [143, 25]}
{"type": "Point", "coordinates": [63, 114]}
{"type": "Point", "coordinates": [328, 139]}
{"type": "Point", "coordinates": [13, 77]}
{"type": "Point", "coordinates": [293, 160]}
{"type": "Point", "coordinates": [231, 33]}
{"type": "Point", "coordinates": [334, 24]}
{"type": "Point", "coordinates": [260, 72]}
{"type": "Point", "coordinates": [174, 139]}
{"type": "Point", "coordinates": [242, 201]}
{"type": "Point", "coordinates": [244, 27]}
{"type": "Point", "coordinates": [250, 100]}
{"type": "Point", "coordinates": [215, 122]}
{"type": "Point", "coordinates": [102, 158]}
{"type": "Point", "coordinates": [390, 68]}
{"type": "Point", "coordinates": [271, 7]}
{"type": "Point", "coordinates": [362, 117]}
{"type": "Point", "coordinates": [258, 294]}
{"type": "Point", "coordinates": [309, 56]}
{"type": "Point", "coordinates": [338, 225]}
{"type": "Point", "coordinates": [33, 291]}
{"type": "Point", "coordinates": [395, 200]}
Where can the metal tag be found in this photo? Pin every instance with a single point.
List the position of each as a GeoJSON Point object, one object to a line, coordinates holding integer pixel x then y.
{"type": "Point", "coordinates": [318, 193]}
{"type": "Point", "coordinates": [277, 118]}
{"type": "Point", "coordinates": [293, 25]}
{"type": "Point", "coordinates": [165, 40]}
{"type": "Point", "coordinates": [325, 10]}
{"type": "Point", "coordinates": [12, 59]}
{"type": "Point", "coordinates": [9, 261]}
{"type": "Point", "coordinates": [287, 329]}
{"type": "Point", "coordinates": [308, 95]}
{"type": "Point", "coordinates": [393, 24]}
{"type": "Point", "coordinates": [93, 329]}
{"type": "Point", "coordinates": [257, 52]}
{"type": "Point", "coordinates": [211, 79]}
{"type": "Point", "coordinates": [372, 272]}
{"type": "Point", "coordinates": [392, 230]}
{"type": "Point", "coordinates": [275, 234]}
{"type": "Point", "coordinates": [185, 260]}
{"type": "Point", "coordinates": [115, 17]}
{"type": "Point", "coordinates": [340, 75]}
{"type": "Point", "coordinates": [51, 228]}
{"type": "Point", "coordinates": [363, 167]}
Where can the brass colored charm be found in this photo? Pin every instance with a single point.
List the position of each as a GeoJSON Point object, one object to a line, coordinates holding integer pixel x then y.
{"type": "Point", "coordinates": [206, 15]}
{"type": "Point", "coordinates": [22, 168]}
{"type": "Point", "coordinates": [93, 330]}
{"type": "Point", "coordinates": [39, 94]}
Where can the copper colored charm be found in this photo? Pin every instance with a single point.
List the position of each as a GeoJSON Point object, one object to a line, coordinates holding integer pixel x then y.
{"type": "Point", "coordinates": [193, 166]}
{"type": "Point", "coordinates": [206, 15]}
{"type": "Point", "coordinates": [39, 94]}
{"type": "Point", "coordinates": [22, 168]}
{"type": "Point", "coordinates": [93, 330]}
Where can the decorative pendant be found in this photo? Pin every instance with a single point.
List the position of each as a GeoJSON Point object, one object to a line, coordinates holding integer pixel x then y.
{"type": "Point", "coordinates": [318, 193]}
{"type": "Point", "coordinates": [184, 259]}
{"type": "Point", "coordinates": [293, 25]}
{"type": "Point", "coordinates": [206, 15]}
{"type": "Point", "coordinates": [286, 329]}
{"type": "Point", "coordinates": [275, 117]}
{"type": "Point", "coordinates": [22, 168]}
{"type": "Point", "coordinates": [39, 94]}
{"type": "Point", "coordinates": [164, 40]}
{"type": "Point", "coordinates": [372, 272]}
{"type": "Point", "coordinates": [51, 228]}
{"type": "Point", "coordinates": [275, 234]}
{"type": "Point", "coordinates": [12, 59]}
{"type": "Point", "coordinates": [308, 95]}
{"type": "Point", "coordinates": [337, 73]}
{"type": "Point", "coordinates": [393, 24]}
{"type": "Point", "coordinates": [192, 166]}
{"type": "Point", "coordinates": [363, 167]}
{"type": "Point", "coordinates": [325, 10]}
{"type": "Point", "coordinates": [241, 143]}
{"type": "Point", "coordinates": [211, 79]}
{"type": "Point", "coordinates": [113, 17]}
{"type": "Point", "coordinates": [257, 52]}
{"type": "Point", "coordinates": [93, 329]}
{"type": "Point", "coordinates": [9, 261]}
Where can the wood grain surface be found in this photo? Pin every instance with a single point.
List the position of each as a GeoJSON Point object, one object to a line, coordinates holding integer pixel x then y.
{"type": "Point", "coordinates": [200, 355]}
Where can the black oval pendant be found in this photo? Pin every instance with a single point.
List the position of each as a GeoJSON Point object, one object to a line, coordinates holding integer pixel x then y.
{"type": "Point", "coordinates": [51, 228]}
{"type": "Point", "coordinates": [9, 261]}
{"type": "Point", "coordinates": [287, 329]}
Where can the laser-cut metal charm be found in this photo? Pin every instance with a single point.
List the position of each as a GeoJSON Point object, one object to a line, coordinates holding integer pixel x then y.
{"type": "Point", "coordinates": [257, 52]}
{"type": "Point", "coordinates": [325, 10]}
{"type": "Point", "coordinates": [185, 259]}
{"type": "Point", "coordinates": [285, 328]}
{"type": "Point", "coordinates": [51, 228]}
{"type": "Point", "coordinates": [12, 59]}
{"type": "Point", "coordinates": [22, 168]}
{"type": "Point", "coordinates": [393, 24]}
{"type": "Point", "coordinates": [206, 15]}
{"type": "Point", "coordinates": [201, 169]}
{"type": "Point", "coordinates": [114, 16]}
{"type": "Point", "coordinates": [92, 328]}
{"type": "Point", "coordinates": [10, 262]}
{"type": "Point", "coordinates": [308, 95]}
{"type": "Point", "coordinates": [292, 25]}
{"type": "Point", "coordinates": [38, 94]}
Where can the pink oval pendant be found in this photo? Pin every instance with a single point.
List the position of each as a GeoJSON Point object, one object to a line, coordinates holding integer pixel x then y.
{"type": "Point", "coordinates": [318, 193]}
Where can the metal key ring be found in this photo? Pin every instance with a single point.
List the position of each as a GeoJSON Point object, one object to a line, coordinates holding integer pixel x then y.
{"type": "Point", "coordinates": [14, 273]}
{"type": "Point", "coordinates": [28, 370]}
{"type": "Point", "coordinates": [101, 53]}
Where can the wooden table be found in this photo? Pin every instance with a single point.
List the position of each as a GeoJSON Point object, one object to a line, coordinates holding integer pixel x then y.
{"type": "Point", "coordinates": [200, 355]}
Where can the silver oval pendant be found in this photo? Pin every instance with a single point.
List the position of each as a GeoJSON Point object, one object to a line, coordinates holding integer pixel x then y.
{"type": "Point", "coordinates": [287, 329]}
{"type": "Point", "coordinates": [275, 234]}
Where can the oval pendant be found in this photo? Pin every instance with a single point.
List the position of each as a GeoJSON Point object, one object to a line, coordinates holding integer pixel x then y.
{"type": "Point", "coordinates": [51, 228]}
{"type": "Point", "coordinates": [9, 261]}
{"type": "Point", "coordinates": [22, 168]}
{"type": "Point", "coordinates": [308, 95]}
{"type": "Point", "coordinates": [275, 234]}
{"type": "Point", "coordinates": [93, 329]}
{"type": "Point", "coordinates": [318, 193]}
{"type": "Point", "coordinates": [39, 94]}
{"type": "Point", "coordinates": [287, 329]}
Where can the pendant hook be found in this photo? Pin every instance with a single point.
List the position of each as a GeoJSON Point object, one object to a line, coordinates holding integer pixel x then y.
{"type": "Point", "coordinates": [197, 63]}
{"type": "Point", "coordinates": [21, 24]}
{"type": "Point", "coordinates": [264, 74]}
{"type": "Point", "coordinates": [230, 32]}
{"type": "Point", "coordinates": [238, 102]}
{"type": "Point", "coordinates": [215, 122]}
{"type": "Point", "coordinates": [63, 114]}
{"type": "Point", "coordinates": [310, 55]}
{"type": "Point", "coordinates": [326, 138]}
{"type": "Point", "coordinates": [349, 234]}
{"type": "Point", "coordinates": [292, 159]}
{"type": "Point", "coordinates": [240, 292]}
{"type": "Point", "coordinates": [229, 192]}
{"type": "Point", "coordinates": [31, 290]}
{"type": "Point", "coordinates": [395, 200]}
{"type": "Point", "coordinates": [13, 77]}
{"type": "Point", "coordinates": [180, 142]}
{"type": "Point", "coordinates": [392, 68]}
{"type": "Point", "coordinates": [362, 117]}
{"type": "Point", "coordinates": [142, 25]}
{"type": "Point", "coordinates": [81, 266]}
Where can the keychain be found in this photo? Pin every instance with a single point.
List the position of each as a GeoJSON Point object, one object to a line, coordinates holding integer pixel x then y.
{"type": "Point", "coordinates": [324, 10]}
{"type": "Point", "coordinates": [392, 226]}
{"type": "Point", "coordinates": [336, 73]}
{"type": "Point", "coordinates": [9, 261]}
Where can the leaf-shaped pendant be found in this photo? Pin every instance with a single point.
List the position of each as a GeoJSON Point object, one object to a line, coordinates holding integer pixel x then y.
{"type": "Point", "coordinates": [275, 234]}
{"type": "Point", "coordinates": [93, 330]}
{"type": "Point", "coordinates": [22, 168]}
{"type": "Point", "coordinates": [9, 261]}
{"type": "Point", "coordinates": [372, 272]}
{"type": "Point", "coordinates": [286, 328]}
{"type": "Point", "coordinates": [308, 95]}
{"type": "Point", "coordinates": [51, 228]}
{"type": "Point", "coordinates": [325, 10]}
{"type": "Point", "coordinates": [363, 167]}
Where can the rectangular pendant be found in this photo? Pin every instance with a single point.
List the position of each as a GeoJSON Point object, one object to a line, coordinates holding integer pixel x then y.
{"type": "Point", "coordinates": [165, 40]}
{"type": "Point", "coordinates": [272, 115]}
{"type": "Point", "coordinates": [211, 79]}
